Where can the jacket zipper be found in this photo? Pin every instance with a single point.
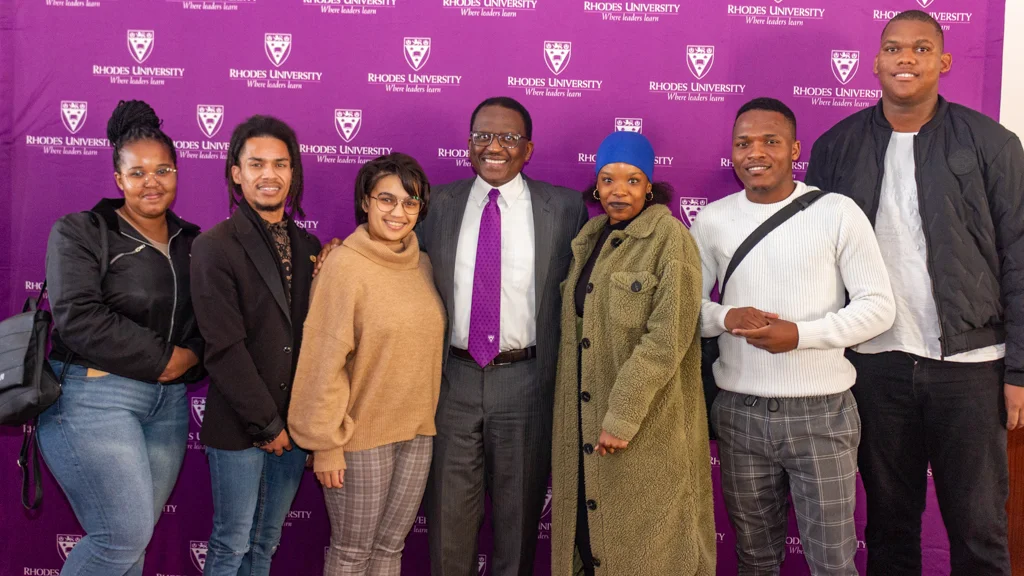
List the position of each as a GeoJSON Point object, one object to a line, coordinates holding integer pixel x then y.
{"type": "Point", "coordinates": [928, 248]}
{"type": "Point", "coordinates": [136, 251]}
{"type": "Point", "coordinates": [174, 275]}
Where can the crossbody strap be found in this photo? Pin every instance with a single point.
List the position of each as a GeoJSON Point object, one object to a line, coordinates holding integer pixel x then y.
{"type": "Point", "coordinates": [798, 204]}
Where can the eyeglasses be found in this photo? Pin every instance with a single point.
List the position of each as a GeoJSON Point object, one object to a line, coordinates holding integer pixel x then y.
{"type": "Point", "coordinates": [386, 203]}
{"type": "Point", "coordinates": [507, 140]}
{"type": "Point", "coordinates": [140, 176]}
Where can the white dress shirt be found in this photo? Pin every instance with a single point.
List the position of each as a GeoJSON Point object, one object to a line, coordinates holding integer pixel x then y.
{"type": "Point", "coordinates": [518, 280]}
{"type": "Point", "coordinates": [901, 238]}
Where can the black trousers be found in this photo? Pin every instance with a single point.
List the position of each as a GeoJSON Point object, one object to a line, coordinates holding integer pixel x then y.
{"type": "Point", "coordinates": [915, 411]}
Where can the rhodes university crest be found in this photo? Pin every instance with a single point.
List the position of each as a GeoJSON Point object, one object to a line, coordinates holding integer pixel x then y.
{"type": "Point", "coordinates": [417, 51]}
{"type": "Point", "coordinates": [197, 551]}
{"type": "Point", "coordinates": [198, 409]}
{"type": "Point", "coordinates": [278, 47]}
{"type": "Point", "coordinates": [348, 122]}
{"type": "Point", "coordinates": [72, 114]}
{"type": "Point", "coordinates": [556, 55]}
{"type": "Point", "coordinates": [211, 118]}
{"type": "Point", "coordinates": [699, 60]}
{"type": "Point", "coordinates": [689, 208]}
{"type": "Point", "coordinates": [845, 64]}
{"type": "Point", "coordinates": [65, 543]}
{"type": "Point", "coordinates": [629, 125]}
{"type": "Point", "coordinates": [140, 44]}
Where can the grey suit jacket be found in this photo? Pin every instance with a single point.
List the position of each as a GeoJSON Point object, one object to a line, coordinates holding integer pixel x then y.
{"type": "Point", "coordinates": [558, 215]}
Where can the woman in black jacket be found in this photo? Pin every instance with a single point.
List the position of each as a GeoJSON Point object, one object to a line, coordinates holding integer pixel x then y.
{"type": "Point", "coordinates": [126, 341]}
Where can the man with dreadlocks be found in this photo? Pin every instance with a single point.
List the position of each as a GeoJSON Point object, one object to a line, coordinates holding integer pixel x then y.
{"type": "Point", "coordinates": [251, 276]}
{"type": "Point", "coordinates": [943, 186]}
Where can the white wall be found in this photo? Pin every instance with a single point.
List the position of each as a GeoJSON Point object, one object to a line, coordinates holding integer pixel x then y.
{"type": "Point", "coordinates": [1012, 101]}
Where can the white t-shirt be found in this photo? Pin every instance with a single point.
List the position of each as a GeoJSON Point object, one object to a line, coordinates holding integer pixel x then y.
{"type": "Point", "coordinates": [901, 239]}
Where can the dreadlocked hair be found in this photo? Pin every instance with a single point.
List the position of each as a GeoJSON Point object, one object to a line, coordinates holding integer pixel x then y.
{"type": "Point", "coordinates": [132, 121]}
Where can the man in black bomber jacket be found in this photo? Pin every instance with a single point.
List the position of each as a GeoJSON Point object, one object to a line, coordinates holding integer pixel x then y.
{"type": "Point", "coordinates": [251, 276]}
{"type": "Point", "coordinates": [943, 186]}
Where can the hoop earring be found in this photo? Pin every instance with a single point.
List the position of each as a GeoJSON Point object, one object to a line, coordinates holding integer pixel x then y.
{"type": "Point", "coordinates": [650, 196]}
{"type": "Point", "coordinates": [596, 197]}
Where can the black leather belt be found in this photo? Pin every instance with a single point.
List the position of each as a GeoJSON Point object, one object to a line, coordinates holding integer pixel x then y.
{"type": "Point", "coordinates": [503, 358]}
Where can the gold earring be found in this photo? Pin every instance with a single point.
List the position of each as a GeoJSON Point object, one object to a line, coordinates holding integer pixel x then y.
{"type": "Point", "coordinates": [650, 196]}
{"type": "Point", "coordinates": [596, 197]}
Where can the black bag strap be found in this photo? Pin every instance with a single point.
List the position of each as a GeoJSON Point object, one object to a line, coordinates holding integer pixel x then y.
{"type": "Point", "coordinates": [798, 204]}
{"type": "Point", "coordinates": [29, 455]}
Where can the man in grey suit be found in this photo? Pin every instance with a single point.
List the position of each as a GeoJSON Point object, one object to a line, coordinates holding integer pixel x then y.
{"type": "Point", "coordinates": [499, 245]}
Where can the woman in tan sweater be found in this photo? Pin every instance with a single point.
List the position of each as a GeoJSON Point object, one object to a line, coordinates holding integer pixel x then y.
{"type": "Point", "coordinates": [369, 373]}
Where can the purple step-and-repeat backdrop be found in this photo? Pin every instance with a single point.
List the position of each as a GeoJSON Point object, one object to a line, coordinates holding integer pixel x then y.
{"type": "Point", "coordinates": [360, 78]}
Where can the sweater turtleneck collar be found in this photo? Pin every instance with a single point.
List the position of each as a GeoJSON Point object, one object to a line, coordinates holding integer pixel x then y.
{"type": "Point", "coordinates": [378, 252]}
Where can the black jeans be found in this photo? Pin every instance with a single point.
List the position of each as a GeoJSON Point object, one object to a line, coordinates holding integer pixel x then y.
{"type": "Point", "coordinates": [914, 411]}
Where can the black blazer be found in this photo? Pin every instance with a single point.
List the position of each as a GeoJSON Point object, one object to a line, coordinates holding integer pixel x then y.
{"type": "Point", "coordinates": [252, 335]}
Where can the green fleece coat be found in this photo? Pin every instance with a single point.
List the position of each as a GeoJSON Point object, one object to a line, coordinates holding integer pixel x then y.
{"type": "Point", "coordinates": [641, 369]}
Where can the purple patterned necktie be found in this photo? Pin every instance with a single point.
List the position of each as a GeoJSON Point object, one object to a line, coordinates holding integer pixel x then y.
{"type": "Point", "coordinates": [485, 314]}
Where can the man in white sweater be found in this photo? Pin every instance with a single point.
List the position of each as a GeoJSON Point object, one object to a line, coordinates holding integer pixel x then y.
{"type": "Point", "coordinates": [785, 417]}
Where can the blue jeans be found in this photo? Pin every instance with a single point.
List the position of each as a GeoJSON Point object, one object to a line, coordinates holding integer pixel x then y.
{"type": "Point", "coordinates": [252, 493]}
{"type": "Point", "coordinates": [115, 446]}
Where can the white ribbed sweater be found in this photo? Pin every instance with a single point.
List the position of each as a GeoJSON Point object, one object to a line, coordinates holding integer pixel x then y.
{"type": "Point", "coordinates": [801, 271]}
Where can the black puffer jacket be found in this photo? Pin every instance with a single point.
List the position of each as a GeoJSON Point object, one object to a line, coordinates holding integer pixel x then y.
{"type": "Point", "coordinates": [970, 182]}
{"type": "Point", "coordinates": [129, 322]}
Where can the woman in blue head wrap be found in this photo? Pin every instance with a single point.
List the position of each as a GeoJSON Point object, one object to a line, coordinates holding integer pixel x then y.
{"type": "Point", "coordinates": [630, 456]}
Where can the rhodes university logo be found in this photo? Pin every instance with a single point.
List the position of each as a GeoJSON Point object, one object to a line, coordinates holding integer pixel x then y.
{"type": "Point", "coordinates": [699, 60]}
{"type": "Point", "coordinates": [556, 55]}
{"type": "Point", "coordinates": [845, 64]}
{"type": "Point", "coordinates": [629, 125]}
{"type": "Point", "coordinates": [347, 123]}
{"type": "Point", "coordinates": [211, 118]}
{"type": "Point", "coordinates": [481, 566]}
{"type": "Point", "coordinates": [65, 543]}
{"type": "Point", "coordinates": [197, 550]}
{"type": "Point", "coordinates": [545, 514]}
{"type": "Point", "coordinates": [925, 3]}
{"type": "Point", "coordinates": [140, 44]}
{"type": "Point", "coordinates": [417, 51]}
{"type": "Point", "coordinates": [198, 409]}
{"type": "Point", "coordinates": [278, 47]}
{"type": "Point", "coordinates": [72, 114]}
{"type": "Point", "coordinates": [689, 208]}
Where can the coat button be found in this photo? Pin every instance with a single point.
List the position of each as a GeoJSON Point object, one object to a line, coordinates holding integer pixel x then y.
{"type": "Point", "coordinates": [588, 448]}
{"type": "Point", "coordinates": [616, 242]}
{"type": "Point", "coordinates": [590, 287]}
{"type": "Point", "coordinates": [282, 386]}
{"type": "Point", "coordinates": [287, 349]}
{"type": "Point", "coordinates": [585, 343]}
{"type": "Point", "coordinates": [585, 396]}
{"type": "Point", "coordinates": [636, 286]}
{"type": "Point", "coordinates": [597, 562]}
{"type": "Point", "coordinates": [591, 505]}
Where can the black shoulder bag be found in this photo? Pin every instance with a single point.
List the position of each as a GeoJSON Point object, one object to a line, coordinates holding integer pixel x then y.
{"type": "Point", "coordinates": [709, 346]}
{"type": "Point", "coordinates": [28, 385]}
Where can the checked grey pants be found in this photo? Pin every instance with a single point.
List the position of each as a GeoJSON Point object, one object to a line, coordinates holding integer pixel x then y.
{"type": "Point", "coordinates": [372, 513]}
{"type": "Point", "coordinates": [771, 446]}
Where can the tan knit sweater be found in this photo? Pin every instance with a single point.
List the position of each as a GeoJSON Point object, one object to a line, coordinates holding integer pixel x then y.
{"type": "Point", "coordinates": [369, 372]}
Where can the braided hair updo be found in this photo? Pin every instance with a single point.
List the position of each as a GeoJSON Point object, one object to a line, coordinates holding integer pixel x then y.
{"type": "Point", "coordinates": [132, 121]}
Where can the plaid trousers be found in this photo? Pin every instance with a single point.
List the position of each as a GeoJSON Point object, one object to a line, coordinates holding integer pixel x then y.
{"type": "Point", "coordinates": [372, 513]}
{"type": "Point", "coordinates": [770, 446]}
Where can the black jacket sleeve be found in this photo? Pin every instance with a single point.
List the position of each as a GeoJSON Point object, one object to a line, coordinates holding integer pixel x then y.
{"type": "Point", "coordinates": [1004, 183]}
{"type": "Point", "coordinates": [231, 368]}
{"type": "Point", "coordinates": [86, 325]}
{"type": "Point", "coordinates": [817, 172]}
